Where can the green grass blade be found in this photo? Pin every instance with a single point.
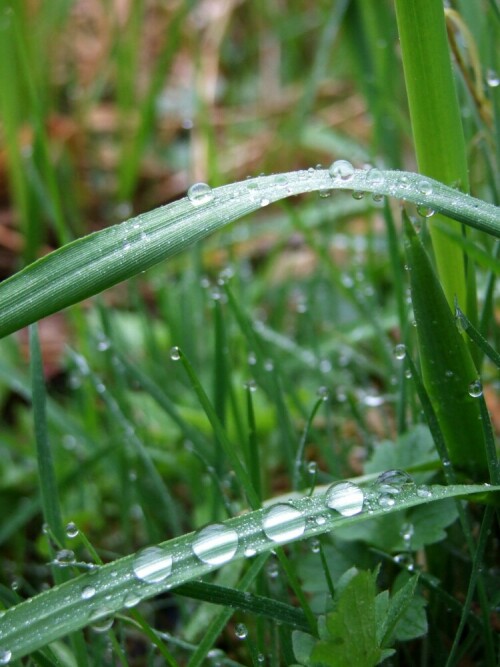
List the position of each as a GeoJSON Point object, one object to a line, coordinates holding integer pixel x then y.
{"type": "Point", "coordinates": [476, 336]}
{"type": "Point", "coordinates": [93, 263]}
{"type": "Point", "coordinates": [48, 483]}
{"type": "Point", "coordinates": [448, 370]}
{"type": "Point", "coordinates": [105, 590]}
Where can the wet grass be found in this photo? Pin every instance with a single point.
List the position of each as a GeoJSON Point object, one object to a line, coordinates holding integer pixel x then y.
{"type": "Point", "coordinates": [259, 366]}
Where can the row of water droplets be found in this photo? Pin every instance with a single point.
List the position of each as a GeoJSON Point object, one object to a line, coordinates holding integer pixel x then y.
{"type": "Point", "coordinates": [217, 543]}
{"type": "Point", "coordinates": [340, 171]}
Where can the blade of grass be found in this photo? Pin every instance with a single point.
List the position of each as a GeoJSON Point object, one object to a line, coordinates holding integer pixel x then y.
{"type": "Point", "coordinates": [93, 263]}
{"type": "Point", "coordinates": [62, 610]}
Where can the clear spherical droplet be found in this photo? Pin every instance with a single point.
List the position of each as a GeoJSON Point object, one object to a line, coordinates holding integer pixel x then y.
{"type": "Point", "coordinates": [345, 498]}
{"type": "Point", "coordinates": [131, 600]}
{"type": "Point", "coordinates": [64, 557]}
{"type": "Point", "coordinates": [424, 491]}
{"type": "Point", "coordinates": [241, 631]}
{"type": "Point", "coordinates": [424, 186]}
{"type": "Point", "coordinates": [88, 593]}
{"type": "Point", "coordinates": [312, 468]}
{"type": "Point", "coordinates": [400, 351]}
{"type": "Point", "coordinates": [315, 546]}
{"type": "Point", "coordinates": [282, 523]}
{"type": "Point", "coordinates": [152, 565]}
{"type": "Point", "coordinates": [396, 478]}
{"type": "Point", "coordinates": [199, 194]}
{"type": "Point", "coordinates": [104, 620]}
{"type": "Point", "coordinates": [374, 177]}
{"type": "Point", "coordinates": [272, 570]}
{"type": "Point", "coordinates": [342, 169]}
{"type": "Point", "coordinates": [357, 194]}
{"type": "Point", "coordinates": [71, 530]}
{"type": "Point", "coordinates": [476, 389]}
{"type": "Point", "coordinates": [425, 211]}
{"type": "Point", "coordinates": [407, 531]}
{"type": "Point", "coordinates": [175, 353]}
{"type": "Point", "coordinates": [215, 544]}
{"type": "Point", "coordinates": [492, 78]}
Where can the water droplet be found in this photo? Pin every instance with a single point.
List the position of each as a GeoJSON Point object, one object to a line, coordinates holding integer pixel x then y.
{"type": "Point", "coordinates": [283, 522]}
{"type": "Point", "coordinates": [268, 365]}
{"type": "Point", "coordinates": [272, 570]}
{"type": "Point", "coordinates": [323, 393]}
{"type": "Point", "coordinates": [325, 193]}
{"type": "Point", "coordinates": [250, 552]}
{"type": "Point", "coordinates": [425, 211]}
{"type": "Point", "coordinates": [492, 78]}
{"type": "Point", "coordinates": [377, 198]}
{"type": "Point", "coordinates": [374, 177]}
{"type": "Point", "coordinates": [400, 351]}
{"type": "Point", "coordinates": [345, 498]}
{"type": "Point", "coordinates": [424, 186]}
{"type": "Point", "coordinates": [325, 366]}
{"type": "Point", "coordinates": [315, 546]}
{"type": "Point", "coordinates": [320, 520]}
{"type": "Point", "coordinates": [407, 531]}
{"type": "Point", "coordinates": [408, 374]}
{"type": "Point", "coordinates": [404, 182]}
{"type": "Point", "coordinates": [476, 389]}
{"type": "Point", "coordinates": [386, 500]}
{"type": "Point", "coordinates": [88, 592]}
{"type": "Point", "coordinates": [261, 658]}
{"type": "Point", "coordinates": [264, 202]}
{"type": "Point", "coordinates": [395, 478]}
{"type": "Point", "coordinates": [175, 353]}
{"type": "Point", "coordinates": [251, 385]}
{"type": "Point", "coordinates": [199, 194]}
{"type": "Point", "coordinates": [357, 194]}
{"type": "Point", "coordinates": [131, 600]}
{"type": "Point", "coordinates": [215, 544]}
{"type": "Point", "coordinates": [424, 491]}
{"type": "Point", "coordinates": [152, 565]}
{"type": "Point", "coordinates": [64, 557]}
{"type": "Point", "coordinates": [241, 631]}
{"type": "Point", "coordinates": [104, 620]}
{"type": "Point", "coordinates": [5, 656]}
{"type": "Point", "coordinates": [342, 169]}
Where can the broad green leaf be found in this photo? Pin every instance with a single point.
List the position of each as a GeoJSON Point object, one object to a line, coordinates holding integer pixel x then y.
{"type": "Point", "coordinates": [352, 627]}
{"type": "Point", "coordinates": [105, 590]}
{"type": "Point", "coordinates": [96, 262]}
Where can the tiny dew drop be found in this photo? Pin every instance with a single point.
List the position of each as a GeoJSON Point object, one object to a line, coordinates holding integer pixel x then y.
{"type": "Point", "coordinates": [5, 656]}
{"type": "Point", "coordinates": [215, 544]}
{"type": "Point", "coordinates": [264, 202]}
{"type": "Point", "coordinates": [64, 557]}
{"type": "Point", "coordinates": [312, 468]}
{"type": "Point", "coordinates": [250, 552]}
{"type": "Point", "coordinates": [272, 570]}
{"type": "Point", "coordinates": [325, 193]}
{"type": "Point", "coordinates": [241, 631]}
{"type": "Point", "coordinates": [88, 593]}
{"type": "Point", "coordinates": [131, 600]}
{"type": "Point", "coordinates": [104, 620]}
{"type": "Point", "coordinates": [323, 393]}
{"type": "Point", "coordinates": [357, 194]}
{"type": "Point", "coordinates": [283, 522]}
{"type": "Point", "coordinates": [250, 385]}
{"type": "Point", "coordinates": [374, 177]}
{"type": "Point", "coordinates": [345, 498]}
{"type": "Point", "coordinates": [175, 353]}
{"type": "Point", "coordinates": [400, 351]}
{"type": "Point", "coordinates": [315, 546]}
{"type": "Point", "coordinates": [342, 169]}
{"type": "Point", "coordinates": [152, 565]}
{"type": "Point", "coordinates": [476, 389]}
{"type": "Point", "coordinates": [424, 491]}
{"type": "Point", "coordinates": [199, 194]}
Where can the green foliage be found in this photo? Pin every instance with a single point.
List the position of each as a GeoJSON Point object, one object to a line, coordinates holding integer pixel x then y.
{"type": "Point", "coordinates": [364, 624]}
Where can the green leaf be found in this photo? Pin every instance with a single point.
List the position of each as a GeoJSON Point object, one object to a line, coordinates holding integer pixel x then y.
{"type": "Point", "coordinates": [352, 628]}
{"type": "Point", "coordinates": [412, 449]}
{"type": "Point", "coordinates": [303, 646]}
{"type": "Point", "coordinates": [96, 262]}
{"type": "Point", "coordinates": [394, 611]}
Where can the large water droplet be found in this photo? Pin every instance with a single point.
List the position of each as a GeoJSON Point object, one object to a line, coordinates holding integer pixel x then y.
{"type": "Point", "coordinates": [200, 193]}
{"type": "Point", "coordinates": [342, 169]}
{"type": "Point", "coordinates": [152, 565]}
{"type": "Point", "coordinates": [5, 656]}
{"type": "Point", "coordinates": [476, 389]}
{"type": "Point", "coordinates": [345, 498]}
{"type": "Point", "coordinates": [64, 557]}
{"type": "Point", "coordinates": [215, 544]}
{"type": "Point", "coordinates": [283, 522]}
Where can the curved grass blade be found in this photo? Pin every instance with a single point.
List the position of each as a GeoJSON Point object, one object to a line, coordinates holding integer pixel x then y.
{"type": "Point", "coordinates": [98, 261]}
{"type": "Point", "coordinates": [104, 591]}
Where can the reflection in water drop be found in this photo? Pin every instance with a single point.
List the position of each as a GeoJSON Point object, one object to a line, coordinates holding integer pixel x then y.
{"type": "Point", "coordinates": [215, 544]}
{"type": "Point", "coordinates": [152, 565]}
{"type": "Point", "coordinates": [283, 522]}
{"type": "Point", "coordinates": [345, 498]}
{"type": "Point", "coordinates": [476, 389]}
{"type": "Point", "coordinates": [199, 194]}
